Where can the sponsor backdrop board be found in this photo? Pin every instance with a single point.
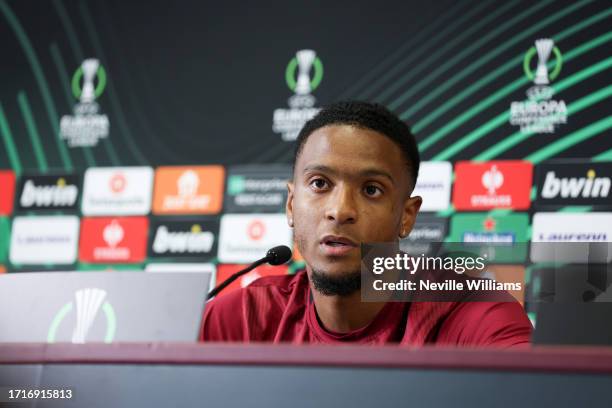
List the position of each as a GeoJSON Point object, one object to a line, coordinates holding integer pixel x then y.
{"type": "Point", "coordinates": [4, 238]}
{"type": "Point", "coordinates": [467, 76]}
{"type": "Point", "coordinates": [117, 191]}
{"type": "Point", "coordinates": [184, 238]}
{"type": "Point", "coordinates": [252, 189]}
{"type": "Point", "coordinates": [224, 271]}
{"type": "Point", "coordinates": [40, 193]}
{"type": "Point", "coordinates": [563, 183]}
{"type": "Point", "coordinates": [44, 240]}
{"type": "Point", "coordinates": [572, 237]}
{"type": "Point", "coordinates": [427, 231]}
{"type": "Point", "coordinates": [505, 235]}
{"type": "Point", "coordinates": [490, 90]}
{"type": "Point", "coordinates": [572, 227]}
{"type": "Point", "coordinates": [113, 240]}
{"type": "Point", "coordinates": [247, 237]}
{"type": "Point", "coordinates": [434, 185]}
{"type": "Point", "coordinates": [7, 192]}
{"type": "Point", "coordinates": [495, 184]}
{"type": "Point", "coordinates": [188, 190]}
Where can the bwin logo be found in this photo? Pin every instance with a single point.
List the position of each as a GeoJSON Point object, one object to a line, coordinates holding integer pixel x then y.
{"type": "Point", "coordinates": [61, 194]}
{"type": "Point", "coordinates": [574, 187]}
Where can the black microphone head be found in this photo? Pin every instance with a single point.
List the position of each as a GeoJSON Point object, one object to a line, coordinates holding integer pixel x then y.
{"type": "Point", "coordinates": [279, 255]}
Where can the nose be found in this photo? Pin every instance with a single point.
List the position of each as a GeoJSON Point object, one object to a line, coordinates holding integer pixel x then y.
{"type": "Point", "coordinates": [341, 206]}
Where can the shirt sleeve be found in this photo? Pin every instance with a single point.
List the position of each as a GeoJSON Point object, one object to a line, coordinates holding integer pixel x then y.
{"type": "Point", "coordinates": [478, 324]}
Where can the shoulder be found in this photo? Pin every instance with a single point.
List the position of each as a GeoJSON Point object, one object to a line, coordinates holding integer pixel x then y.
{"type": "Point", "coordinates": [484, 323]}
{"type": "Point", "coordinates": [233, 316]}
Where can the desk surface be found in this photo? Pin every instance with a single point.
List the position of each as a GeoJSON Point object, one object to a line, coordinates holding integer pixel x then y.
{"type": "Point", "coordinates": [540, 358]}
{"type": "Point", "coordinates": [186, 375]}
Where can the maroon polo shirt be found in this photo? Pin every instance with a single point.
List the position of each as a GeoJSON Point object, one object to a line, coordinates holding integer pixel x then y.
{"type": "Point", "coordinates": [279, 309]}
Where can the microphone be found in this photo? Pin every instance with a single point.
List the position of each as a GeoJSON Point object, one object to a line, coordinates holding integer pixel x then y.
{"type": "Point", "coordinates": [275, 256]}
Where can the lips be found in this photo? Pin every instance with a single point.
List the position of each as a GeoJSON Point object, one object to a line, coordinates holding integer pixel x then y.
{"type": "Point", "coordinates": [335, 245]}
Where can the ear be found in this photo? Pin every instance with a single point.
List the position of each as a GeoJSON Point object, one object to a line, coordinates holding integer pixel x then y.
{"type": "Point", "coordinates": [289, 204]}
{"type": "Point", "coordinates": [409, 214]}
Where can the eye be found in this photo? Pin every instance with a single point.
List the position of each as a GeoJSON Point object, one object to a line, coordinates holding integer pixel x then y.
{"type": "Point", "coordinates": [373, 191]}
{"type": "Point", "coordinates": [319, 184]}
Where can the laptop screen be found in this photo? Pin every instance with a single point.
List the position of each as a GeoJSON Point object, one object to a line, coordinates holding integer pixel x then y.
{"type": "Point", "coordinates": [106, 307]}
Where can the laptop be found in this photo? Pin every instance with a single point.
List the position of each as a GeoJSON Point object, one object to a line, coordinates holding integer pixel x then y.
{"type": "Point", "coordinates": [80, 307]}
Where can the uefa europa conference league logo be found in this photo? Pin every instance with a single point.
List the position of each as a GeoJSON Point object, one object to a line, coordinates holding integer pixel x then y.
{"type": "Point", "coordinates": [88, 302]}
{"type": "Point", "coordinates": [540, 113]}
{"type": "Point", "coordinates": [303, 75]}
{"type": "Point", "coordinates": [86, 126]}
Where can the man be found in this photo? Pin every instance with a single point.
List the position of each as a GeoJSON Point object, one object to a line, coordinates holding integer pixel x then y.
{"type": "Point", "coordinates": [355, 167]}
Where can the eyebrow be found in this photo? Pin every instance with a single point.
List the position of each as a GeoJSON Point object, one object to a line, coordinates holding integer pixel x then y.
{"type": "Point", "coordinates": [371, 172]}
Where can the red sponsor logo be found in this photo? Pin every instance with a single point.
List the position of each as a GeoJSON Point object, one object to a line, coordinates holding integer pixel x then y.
{"type": "Point", "coordinates": [117, 183]}
{"type": "Point", "coordinates": [226, 270]}
{"type": "Point", "coordinates": [495, 184]}
{"type": "Point", "coordinates": [7, 192]}
{"type": "Point", "coordinates": [113, 240]}
{"type": "Point", "coordinates": [256, 230]}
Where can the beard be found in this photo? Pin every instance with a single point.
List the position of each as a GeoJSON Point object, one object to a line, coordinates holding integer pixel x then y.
{"type": "Point", "coordinates": [343, 285]}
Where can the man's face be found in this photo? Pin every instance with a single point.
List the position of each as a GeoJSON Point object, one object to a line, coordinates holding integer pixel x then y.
{"type": "Point", "coordinates": [350, 186]}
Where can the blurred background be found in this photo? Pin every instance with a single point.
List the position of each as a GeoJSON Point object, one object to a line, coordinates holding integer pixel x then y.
{"type": "Point", "coordinates": [157, 136]}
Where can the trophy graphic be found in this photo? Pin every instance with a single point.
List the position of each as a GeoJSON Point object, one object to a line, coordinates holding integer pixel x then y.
{"type": "Point", "coordinates": [305, 58]}
{"type": "Point", "coordinates": [88, 302]}
{"type": "Point", "coordinates": [543, 46]}
{"type": "Point", "coordinates": [90, 67]}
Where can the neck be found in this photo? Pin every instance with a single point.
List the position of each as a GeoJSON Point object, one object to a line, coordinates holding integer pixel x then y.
{"type": "Point", "coordinates": [342, 314]}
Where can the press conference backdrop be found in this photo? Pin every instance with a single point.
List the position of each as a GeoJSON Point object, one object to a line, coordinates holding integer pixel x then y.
{"type": "Point", "coordinates": [150, 136]}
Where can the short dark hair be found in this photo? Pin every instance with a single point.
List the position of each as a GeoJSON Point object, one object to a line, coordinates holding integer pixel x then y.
{"type": "Point", "coordinates": [367, 116]}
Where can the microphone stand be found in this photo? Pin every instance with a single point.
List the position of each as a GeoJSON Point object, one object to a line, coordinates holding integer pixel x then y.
{"type": "Point", "coordinates": [235, 276]}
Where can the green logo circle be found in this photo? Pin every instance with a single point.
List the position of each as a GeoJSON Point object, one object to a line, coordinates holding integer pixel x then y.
{"type": "Point", "coordinates": [529, 56]}
{"type": "Point", "coordinates": [76, 82]}
{"type": "Point", "coordinates": [314, 82]}
{"type": "Point", "coordinates": [109, 313]}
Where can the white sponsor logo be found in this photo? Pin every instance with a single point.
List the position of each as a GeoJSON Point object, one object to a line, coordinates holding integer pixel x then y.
{"type": "Point", "coordinates": [574, 187]}
{"type": "Point", "coordinates": [492, 180]}
{"type": "Point", "coordinates": [44, 240]}
{"type": "Point", "coordinates": [434, 185]}
{"type": "Point", "coordinates": [112, 234]}
{"type": "Point", "coordinates": [117, 191]}
{"type": "Point", "coordinates": [493, 237]}
{"type": "Point", "coordinates": [426, 233]}
{"type": "Point", "coordinates": [572, 227]}
{"type": "Point", "coordinates": [59, 195]}
{"type": "Point", "coordinates": [254, 191]}
{"type": "Point", "coordinates": [187, 186]}
{"type": "Point", "coordinates": [247, 237]}
{"type": "Point", "coordinates": [193, 241]}
{"type": "Point", "coordinates": [590, 235]}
